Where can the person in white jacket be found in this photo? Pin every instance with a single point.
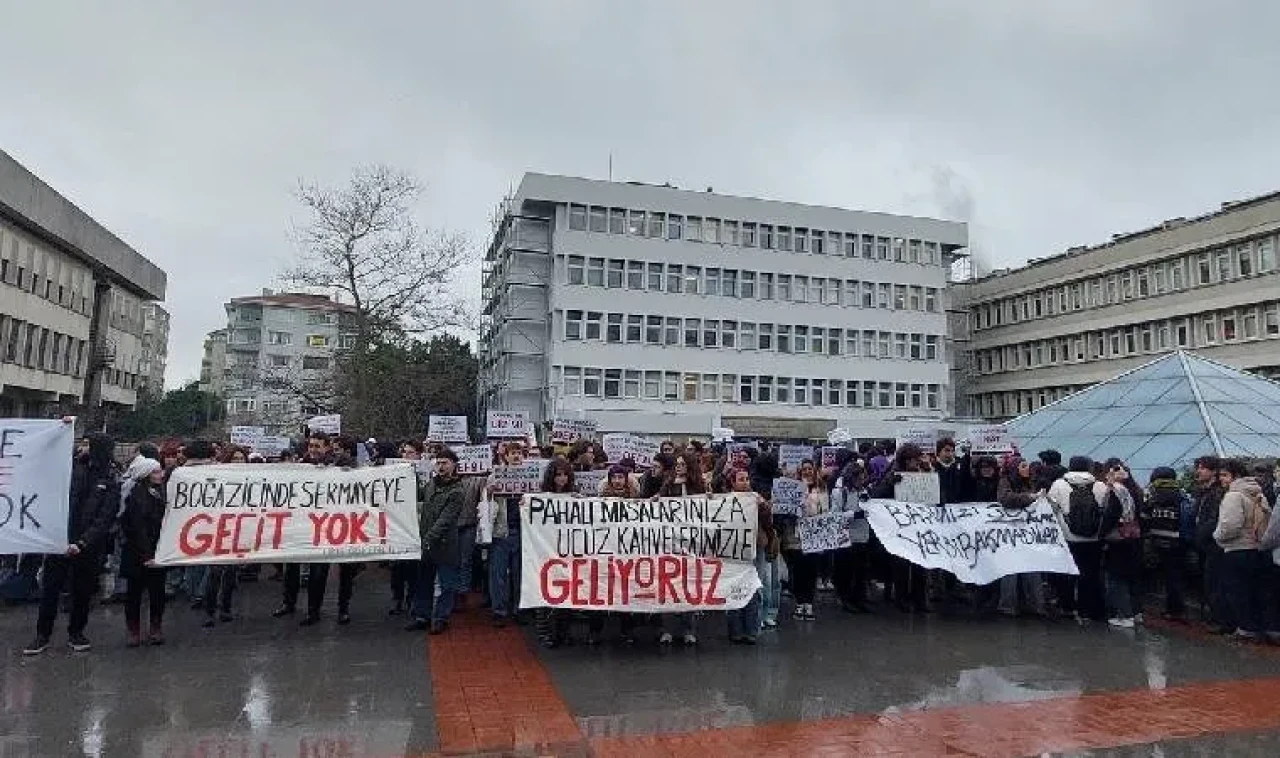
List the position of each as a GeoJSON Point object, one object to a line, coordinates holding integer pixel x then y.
{"type": "Point", "coordinates": [1082, 596]}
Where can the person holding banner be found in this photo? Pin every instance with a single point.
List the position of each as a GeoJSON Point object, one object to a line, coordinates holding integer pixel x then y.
{"type": "Point", "coordinates": [803, 567]}
{"type": "Point", "coordinates": [849, 572]}
{"type": "Point", "coordinates": [439, 503]}
{"type": "Point", "coordinates": [744, 623]}
{"type": "Point", "coordinates": [910, 582]}
{"type": "Point", "coordinates": [140, 529]}
{"type": "Point", "coordinates": [685, 479]}
{"type": "Point", "coordinates": [504, 551]}
{"type": "Point", "coordinates": [94, 502]}
{"type": "Point", "coordinates": [550, 624]}
{"type": "Point", "coordinates": [1019, 489]}
{"type": "Point", "coordinates": [764, 469]}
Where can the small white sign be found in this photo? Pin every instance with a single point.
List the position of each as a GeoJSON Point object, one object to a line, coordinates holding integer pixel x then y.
{"type": "Point", "coordinates": [330, 424]}
{"type": "Point", "coordinates": [918, 488]}
{"type": "Point", "coordinates": [923, 437]}
{"type": "Point", "coordinates": [507, 425]}
{"type": "Point", "coordinates": [447, 429]}
{"type": "Point", "coordinates": [566, 431]}
{"type": "Point", "coordinates": [993, 438]}
{"type": "Point", "coordinates": [791, 456]}
{"type": "Point", "coordinates": [839, 436]}
{"type": "Point", "coordinates": [271, 446]}
{"type": "Point", "coordinates": [517, 480]}
{"type": "Point", "coordinates": [474, 459]}
{"type": "Point", "coordinates": [247, 436]}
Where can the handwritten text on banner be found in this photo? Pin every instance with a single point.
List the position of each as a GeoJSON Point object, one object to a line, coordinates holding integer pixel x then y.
{"type": "Point", "coordinates": [35, 477]}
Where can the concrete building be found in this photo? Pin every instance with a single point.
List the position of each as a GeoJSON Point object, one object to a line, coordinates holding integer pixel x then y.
{"type": "Point", "coordinates": [72, 296]}
{"type": "Point", "coordinates": [155, 347]}
{"type": "Point", "coordinates": [1208, 284]}
{"type": "Point", "coordinates": [665, 311]}
{"type": "Point", "coordinates": [279, 357]}
{"type": "Point", "coordinates": [213, 365]}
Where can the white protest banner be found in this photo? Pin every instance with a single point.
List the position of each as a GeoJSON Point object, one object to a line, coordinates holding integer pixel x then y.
{"type": "Point", "coordinates": [791, 456]}
{"type": "Point", "coordinates": [507, 425]}
{"type": "Point", "coordinates": [566, 431]}
{"type": "Point", "coordinates": [517, 480]}
{"type": "Point", "coordinates": [826, 531]}
{"type": "Point", "coordinates": [617, 445]}
{"type": "Point", "coordinates": [923, 437]}
{"type": "Point", "coordinates": [271, 446]}
{"type": "Point", "coordinates": [588, 482]}
{"type": "Point", "coordinates": [787, 497]}
{"type": "Point", "coordinates": [978, 542]}
{"type": "Point", "coordinates": [330, 424]}
{"type": "Point", "coordinates": [245, 513]}
{"type": "Point", "coordinates": [449, 429]}
{"type": "Point", "coordinates": [643, 451]}
{"type": "Point", "coordinates": [829, 456]}
{"type": "Point", "coordinates": [35, 482]}
{"type": "Point", "coordinates": [921, 488]}
{"type": "Point", "coordinates": [640, 556]}
{"type": "Point", "coordinates": [423, 467]}
{"type": "Point", "coordinates": [839, 436]}
{"type": "Point", "coordinates": [993, 438]}
{"type": "Point", "coordinates": [474, 459]}
{"type": "Point", "coordinates": [721, 434]}
{"type": "Point", "coordinates": [247, 436]}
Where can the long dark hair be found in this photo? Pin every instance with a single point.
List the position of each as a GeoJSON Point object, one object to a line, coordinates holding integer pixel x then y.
{"type": "Point", "coordinates": [1135, 489]}
{"type": "Point", "coordinates": [557, 466]}
{"type": "Point", "coordinates": [694, 483]}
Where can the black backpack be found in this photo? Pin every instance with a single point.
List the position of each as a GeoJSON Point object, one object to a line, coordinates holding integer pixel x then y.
{"type": "Point", "coordinates": [1084, 516]}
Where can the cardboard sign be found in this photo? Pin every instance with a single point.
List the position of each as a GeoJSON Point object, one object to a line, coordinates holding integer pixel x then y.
{"type": "Point", "coordinates": [247, 436]}
{"type": "Point", "coordinates": [617, 445]}
{"type": "Point", "coordinates": [517, 480]}
{"type": "Point", "coordinates": [721, 434]}
{"type": "Point", "coordinates": [271, 446]}
{"type": "Point", "coordinates": [839, 436]}
{"type": "Point", "coordinates": [589, 482]}
{"type": "Point", "coordinates": [826, 531]}
{"type": "Point", "coordinates": [330, 424]}
{"type": "Point", "coordinates": [507, 425]}
{"type": "Point", "coordinates": [643, 451]}
{"type": "Point", "coordinates": [920, 488]}
{"type": "Point", "coordinates": [791, 456]}
{"type": "Point", "coordinates": [989, 439]}
{"type": "Point", "coordinates": [978, 542]}
{"type": "Point", "coordinates": [923, 437]}
{"type": "Point", "coordinates": [447, 429]}
{"type": "Point", "coordinates": [639, 556]}
{"type": "Point", "coordinates": [35, 482]}
{"type": "Point", "coordinates": [474, 459]}
{"type": "Point", "coordinates": [829, 456]}
{"type": "Point", "coordinates": [246, 513]}
{"type": "Point", "coordinates": [788, 497]}
{"type": "Point", "coordinates": [566, 431]}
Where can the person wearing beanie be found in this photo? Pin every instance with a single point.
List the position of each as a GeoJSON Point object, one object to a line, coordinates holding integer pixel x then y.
{"type": "Point", "coordinates": [92, 505]}
{"type": "Point", "coordinates": [1164, 515]}
{"type": "Point", "coordinates": [140, 529]}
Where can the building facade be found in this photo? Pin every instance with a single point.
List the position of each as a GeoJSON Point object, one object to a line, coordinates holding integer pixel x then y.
{"type": "Point", "coordinates": [664, 311]}
{"type": "Point", "coordinates": [1209, 284]}
{"type": "Point", "coordinates": [155, 347]}
{"type": "Point", "coordinates": [72, 298]}
{"type": "Point", "coordinates": [213, 365]}
{"type": "Point", "coordinates": [279, 357]}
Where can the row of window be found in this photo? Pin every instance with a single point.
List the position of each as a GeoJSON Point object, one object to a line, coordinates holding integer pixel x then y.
{"type": "Point", "coordinates": [676, 278]}
{"type": "Point", "coordinates": [37, 347]}
{"type": "Point", "coordinates": [242, 336]}
{"type": "Point", "coordinates": [309, 362]}
{"type": "Point", "coordinates": [32, 268]}
{"type": "Point", "coordinates": [1239, 261]}
{"type": "Point", "coordinates": [643, 329]}
{"type": "Point", "coordinates": [253, 315]}
{"type": "Point", "coordinates": [633, 384]}
{"type": "Point", "coordinates": [715, 231]}
{"type": "Point", "coordinates": [1199, 330]}
{"type": "Point", "coordinates": [1016, 402]}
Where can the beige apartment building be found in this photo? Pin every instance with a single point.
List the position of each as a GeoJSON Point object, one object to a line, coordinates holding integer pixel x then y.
{"type": "Point", "coordinates": [1029, 336]}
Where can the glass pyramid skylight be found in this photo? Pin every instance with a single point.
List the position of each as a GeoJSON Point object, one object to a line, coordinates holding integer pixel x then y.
{"type": "Point", "coordinates": [1165, 413]}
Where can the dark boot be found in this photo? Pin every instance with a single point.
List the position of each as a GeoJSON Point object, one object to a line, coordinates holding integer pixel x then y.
{"type": "Point", "coordinates": [156, 635]}
{"type": "Point", "coordinates": [135, 633]}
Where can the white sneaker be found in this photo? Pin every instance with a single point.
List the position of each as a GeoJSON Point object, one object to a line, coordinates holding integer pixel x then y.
{"type": "Point", "coordinates": [1122, 623]}
{"type": "Point", "coordinates": [1139, 619]}
{"type": "Point", "coordinates": [665, 639]}
{"type": "Point", "coordinates": [690, 640]}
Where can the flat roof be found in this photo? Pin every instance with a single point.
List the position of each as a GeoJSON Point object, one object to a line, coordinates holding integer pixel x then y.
{"type": "Point", "coordinates": [45, 213]}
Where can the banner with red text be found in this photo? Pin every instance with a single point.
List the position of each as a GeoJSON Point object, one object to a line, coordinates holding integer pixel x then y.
{"type": "Point", "coordinates": [246, 513]}
{"type": "Point", "coordinates": [641, 556]}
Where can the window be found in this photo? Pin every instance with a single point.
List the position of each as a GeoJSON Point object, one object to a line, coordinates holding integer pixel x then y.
{"type": "Point", "coordinates": [764, 389]}
{"type": "Point", "coordinates": [595, 272]}
{"type": "Point", "coordinates": [899, 345]}
{"type": "Point", "coordinates": [635, 325]}
{"type": "Point", "coordinates": [617, 221]}
{"type": "Point", "coordinates": [801, 288]}
{"type": "Point", "coordinates": [850, 245]}
{"type": "Point", "coordinates": [931, 347]}
{"type": "Point", "coordinates": [882, 299]}
{"type": "Point", "coordinates": [317, 340]}
{"type": "Point", "coordinates": [802, 340]}
{"type": "Point", "coordinates": [802, 241]}
{"type": "Point", "coordinates": [766, 286]}
{"type": "Point", "coordinates": [692, 328]}
{"type": "Point", "coordinates": [727, 384]}
{"type": "Point", "coordinates": [869, 344]}
{"type": "Point", "coordinates": [800, 392]}
{"type": "Point", "coordinates": [1177, 275]}
{"type": "Point", "coordinates": [931, 396]}
{"type": "Point", "coordinates": [279, 338]}
{"type": "Point", "coordinates": [835, 391]}
{"type": "Point", "coordinates": [1143, 286]}
{"type": "Point", "coordinates": [1250, 321]}
{"type": "Point", "coordinates": [784, 238]}
{"type": "Point", "coordinates": [693, 228]}
{"type": "Point", "coordinates": [671, 385]}
{"type": "Point", "coordinates": [885, 340]}
{"type": "Point", "coordinates": [655, 277]}
{"type": "Point", "coordinates": [748, 234]}
{"type": "Point", "coordinates": [594, 319]}
{"type": "Point", "coordinates": [766, 337]}
{"type": "Point", "coordinates": [653, 330]}
{"type": "Point", "coordinates": [851, 393]}
{"type": "Point", "coordinates": [746, 389]}
{"type": "Point", "coordinates": [710, 387]}
{"type": "Point", "coordinates": [1210, 329]}
{"type": "Point", "coordinates": [599, 220]}
{"type": "Point", "coordinates": [578, 217]}
{"type": "Point", "coordinates": [1244, 259]}
{"type": "Point", "coordinates": [635, 275]}
{"type": "Point", "coordinates": [631, 384]}
{"type": "Point", "coordinates": [899, 297]}
{"type": "Point", "coordinates": [834, 337]}
{"type": "Point", "coordinates": [915, 298]}
{"type": "Point", "coordinates": [1202, 268]}
{"type": "Point", "coordinates": [1229, 327]}
{"type": "Point", "coordinates": [784, 287]}
{"type": "Point", "coordinates": [1271, 319]}
{"type": "Point", "coordinates": [815, 290]}
{"type": "Point", "coordinates": [1266, 255]}
{"type": "Point", "coordinates": [614, 331]}
{"type": "Point", "coordinates": [748, 336]}
{"type": "Point", "coordinates": [635, 223]}
{"type": "Point", "coordinates": [1183, 333]}
{"type": "Point", "coordinates": [917, 347]}
{"type": "Point", "coordinates": [917, 395]}
{"type": "Point", "coordinates": [613, 383]}
{"type": "Point", "coordinates": [573, 325]}
{"type": "Point", "coordinates": [675, 278]}
{"type": "Point", "coordinates": [1157, 280]}
{"type": "Point", "coordinates": [868, 295]}
{"type": "Point", "coordinates": [913, 251]}
{"type": "Point", "coordinates": [314, 362]}
{"type": "Point", "coordinates": [652, 385]}
{"type": "Point", "coordinates": [614, 278]}
{"type": "Point", "coordinates": [711, 231]}
{"type": "Point", "coordinates": [747, 288]}
{"type": "Point", "coordinates": [885, 395]}
{"type": "Point", "coordinates": [591, 382]}
{"type": "Point", "coordinates": [692, 277]}
{"type": "Point", "coordinates": [900, 395]}
{"type": "Point", "coordinates": [729, 283]}
{"type": "Point", "coordinates": [1126, 286]}
{"type": "Point", "coordinates": [931, 253]}
{"type": "Point", "coordinates": [784, 338]}
{"type": "Point", "coordinates": [851, 337]}
{"type": "Point", "coordinates": [817, 396]}
{"type": "Point", "coordinates": [728, 334]}
{"type": "Point", "coordinates": [672, 336]}
{"type": "Point", "coordinates": [576, 269]}
{"type": "Point", "coordinates": [731, 232]}
{"type": "Point", "coordinates": [766, 236]}
{"type": "Point", "coordinates": [675, 227]}
{"type": "Point", "coordinates": [712, 282]}
{"type": "Point", "coordinates": [657, 224]}
{"type": "Point", "coordinates": [783, 395]}
{"type": "Point", "coordinates": [852, 292]}
{"type": "Point", "coordinates": [1223, 268]}
{"type": "Point", "coordinates": [817, 335]}
{"type": "Point", "coordinates": [711, 333]}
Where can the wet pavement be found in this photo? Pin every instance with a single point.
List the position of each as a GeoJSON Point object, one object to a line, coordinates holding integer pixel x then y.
{"type": "Point", "coordinates": [843, 685]}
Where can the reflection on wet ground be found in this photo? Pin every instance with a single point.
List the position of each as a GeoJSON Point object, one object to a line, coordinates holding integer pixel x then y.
{"type": "Point", "coordinates": [261, 688]}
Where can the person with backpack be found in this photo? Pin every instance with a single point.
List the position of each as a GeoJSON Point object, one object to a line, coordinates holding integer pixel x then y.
{"type": "Point", "coordinates": [1122, 545]}
{"type": "Point", "coordinates": [1078, 499]}
{"type": "Point", "coordinates": [1165, 514]}
{"type": "Point", "coordinates": [1207, 492]}
{"type": "Point", "coordinates": [1242, 522]}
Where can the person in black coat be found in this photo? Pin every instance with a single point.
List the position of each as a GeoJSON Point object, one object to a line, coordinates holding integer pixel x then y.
{"type": "Point", "coordinates": [140, 529]}
{"type": "Point", "coordinates": [93, 502]}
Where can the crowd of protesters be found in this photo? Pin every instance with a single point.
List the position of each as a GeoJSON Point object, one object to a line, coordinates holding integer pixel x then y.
{"type": "Point", "coordinates": [1124, 537]}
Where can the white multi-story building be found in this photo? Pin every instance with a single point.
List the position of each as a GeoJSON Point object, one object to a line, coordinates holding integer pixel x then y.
{"type": "Point", "coordinates": [71, 306]}
{"type": "Point", "coordinates": [280, 350]}
{"type": "Point", "coordinates": [666, 311]}
{"type": "Point", "coordinates": [1062, 323]}
{"type": "Point", "coordinates": [155, 347]}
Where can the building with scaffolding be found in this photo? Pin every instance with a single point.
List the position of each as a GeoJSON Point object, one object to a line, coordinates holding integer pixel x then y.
{"type": "Point", "coordinates": [670, 312]}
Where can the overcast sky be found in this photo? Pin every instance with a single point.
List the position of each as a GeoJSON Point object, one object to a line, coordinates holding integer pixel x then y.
{"type": "Point", "coordinates": [184, 127]}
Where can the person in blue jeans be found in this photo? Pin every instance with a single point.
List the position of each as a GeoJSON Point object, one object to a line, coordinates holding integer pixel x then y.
{"type": "Point", "coordinates": [504, 551]}
{"type": "Point", "coordinates": [440, 502]}
{"type": "Point", "coordinates": [745, 623]}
